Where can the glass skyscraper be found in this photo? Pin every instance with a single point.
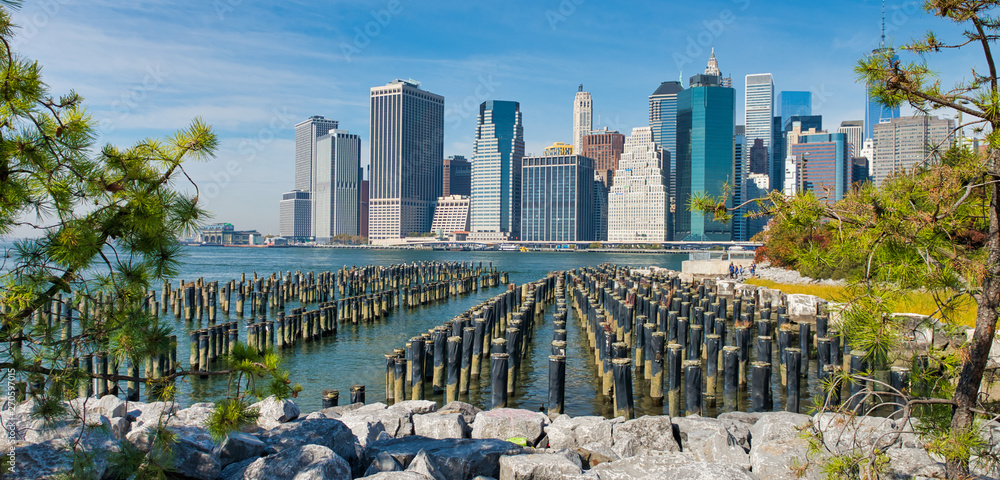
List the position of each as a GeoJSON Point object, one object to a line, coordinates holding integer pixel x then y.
{"type": "Point", "coordinates": [760, 113]}
{"type": "Point", "coordinates": [496, 171]}
{"type": "Point", "coordinates": [337, 197]}
{"type": "Point", "coordinates": [663, 122]}
{"type": "Point", "coordinates": [794, 103]}
{"type": "Point", "coordinates": [705, 154]}
{"type": "Point", "coordinates": [876, 113]}
{"type": "Point", "coordinates": [557, 196]}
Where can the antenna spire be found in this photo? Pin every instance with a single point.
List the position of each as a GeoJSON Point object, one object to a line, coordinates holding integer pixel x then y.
{"type": "Point", "coordinates": [882, 42]}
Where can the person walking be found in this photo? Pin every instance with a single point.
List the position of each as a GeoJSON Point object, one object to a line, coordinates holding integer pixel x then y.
{"type": "Point", "coordinates": [732, 270]}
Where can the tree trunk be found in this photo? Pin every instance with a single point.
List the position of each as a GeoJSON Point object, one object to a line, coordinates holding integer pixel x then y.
{"type": "Point", "coordinates": [967, 390]}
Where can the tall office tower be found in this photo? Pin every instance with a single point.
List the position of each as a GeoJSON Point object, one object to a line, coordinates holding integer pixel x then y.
{"type": "Point", "coordinates": [823, 163]}
{"type": "Point", "coordinates": [794, 103]}
{"type": "Point", "coordinates": [638, 208]}
{"type": "Point", "coordinates": [855, 130]}
{"type": "Point", "coordinates": [337, 195]}
{"type": "Point", "coordinates": [904, 142]}
{"type": "Point", "coordinates": [294, 215]}
{"type": "Point", "coordinates": [778, 149]}
{"type": "Point", "coordinates": [713, 69]}
{"type": "Point", "coordinates": [760, 114]}
{"type": "Point", "coordinates": [741, 168]}
{"type": "Point", "coordinates": [758, 157]}
{"type": "Point", "coordinates": [600, 209]}
{"type": "Point", "coordinates": [875, 112]}
{"type": "Point", "coordinates": [457, 176]}
{"type": "Point", "coordinates": [557, 198]}
{"type": "Point", "coordinates": [604, 147]}
{"type": "Point", "coordinates": [663, 121]}
{"type": "Point", "coordinates": [306, 133]}
{"type": "Point", "coordinates": [363, 211]}
{"type": "Point", "coordinates": [496, 172]}
{"type": "Point", "coordinates": [705, 127]}
{"type": "Point", "coordinates": [756, 185]}
{"type": "Point", "coordinates": [583, 118]}
{"type": "Point", "coordinates": [407, 153]}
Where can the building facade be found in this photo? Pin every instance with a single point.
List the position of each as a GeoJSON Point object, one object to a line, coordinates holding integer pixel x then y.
{"type": "Point", "coordinates": [855, 131]}
{"type": "Point", "coordinates": [793, 103]}
{"type": "Point", "coordinates": [457, 176]}
{"type": "Point", "coordinates": [741, 168]}
{"type": "Point", "coordinates": [638, 203]}
{"type": "Point", "coordinates": [451, 214]}
{"type": "Point", "coordinates": [705, 128]}
{"type": "Point", "coordinates": [557, 195]}
{"type": "Point", "coordinates": [759, 114]}
{"type": "Point", "coordinates": [758, 157]}
{"type": "Point", "coordinates": [558, 148]}
{"type": "Point", "coordinates": [583, 118]}
{"type": "Point", "coordinates": [337, 193]}
{"type": "Point", "coordinates": [875, 112]}
{"type": "Point", "coordinates": [363, 217]}
{"type": "Point", "coordinates": [605, 148]}
{"type": "Point", "coordinates": [496, 172]}
{"type": "Point", "coordinates": [600, 209]}
{"type": "Point", "coordinates": [295, 216]}
{"type": "Point", "coordinates": [407, 153]}
{"type": "Point", "coordinates": [823, 163]}
{"type": "Point", "coordinates": [663, 121]}
{"type": "Point", "coordinates": [756, 185]}
{"type": "Point", "coordinates": [902, 143]}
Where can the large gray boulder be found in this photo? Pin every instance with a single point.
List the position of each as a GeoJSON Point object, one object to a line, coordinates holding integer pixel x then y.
{"type": "Point", "coordinates": [913, 463]}
{"type": "Point", "coordinates": [274, 412]}
{"type": "Point", "coordinates": [238, 447]}
{"type": "Point", "coordinates": [53, 457]}
{"type": "Point", "coordinates": [596, 453]}
{"type": "Point", "coordinates": [109, 405]}
{"type": "Point", "coordinates": [709, 441]}
{"type": "Point", "coordinates": [467, 411]}
{"type": "Point", "coordinates": [193, 452]}
{"type": "Point", "coordinates": [538, 466]}
{"type": "Point", "coordinates": [383, 462]}
{"type": "Point", "coordinates": [845, 433]}
{"type": "Point", "coordinates": [505, 423]}
{"type": "Point", "coordinates": [437, 425]}
{"type": "Point", "coordinates": [738, 425]}
{"type": "Point", "coordinates": [803, 307]}
{"type": "Point", "coordinates": [366, 429]}
{"type": "Point", "coordinates": [150, 413]}
{"type": "Point", "coordinates": [778, 450]}
{"type": "Point", "coordinates": [643, 435]}
{"type": "Point", "coordinates": [571, 432]}
{"type": "Point", "coordinates": [654, 465]}
{"type": "Point", "coordinates": [455, 458]}
{"type": "Point", "coordinates": [777, 426]}
{"type": "Point", "coordinates": [196, 415]}
{"type": "Point", "coordinates": [414, 407]}
{"type": "Point", "coordinates": [395, 476]}
{"type": "Point", "coordinates": [305, 462]}
{"type": "Point", "coordinates": [423, 465]}
{"type": "Point", "coordinates": [711, 471]}
{"type": "Point", "coordinates": [396, 422]}
{"type": "Point", "coordinates": [327, 432]}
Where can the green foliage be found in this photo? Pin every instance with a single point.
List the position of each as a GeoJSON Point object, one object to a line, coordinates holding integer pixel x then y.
{"type": "Point", "coordinates": [228, 416]}
{"type": "Point", "coordinates": [347, 239]}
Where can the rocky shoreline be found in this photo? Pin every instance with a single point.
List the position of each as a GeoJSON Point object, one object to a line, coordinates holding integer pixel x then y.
{"type": "Point", "coordinates": [418, 440]}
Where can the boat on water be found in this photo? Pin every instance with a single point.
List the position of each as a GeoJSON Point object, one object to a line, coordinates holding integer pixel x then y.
{"type": "Point", "coordinates": [508, 247]}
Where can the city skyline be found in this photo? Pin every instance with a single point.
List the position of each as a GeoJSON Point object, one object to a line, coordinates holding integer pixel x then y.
{"type": "Point", "coordinates": [253, 70]}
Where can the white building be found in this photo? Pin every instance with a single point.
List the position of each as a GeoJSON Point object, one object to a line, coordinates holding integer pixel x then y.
{"type": "Point", "coordinates": [759, 114]}
{"type": "Point", "coordinates": [294, 216]}
{"type": "Point", "coordinates": [407, 158]}
{"type": "Point", "coordinates": [583, 119]}
{"type": "Point", "coordinates": [902, 143]}
{"type": "Point", "coordinates": [306, 133]}
{"type": "Point", "coordinates": [855, 130]}
{"type": "Point", "coordinates": [757, 185]}
{"type": "Point", "coordinates": [337, 193]}
{"type": "Point", "coordinates": [638, 200]}
{"type": "Point", "coordinates": [791, 187]}
{"type": "Point", "coordinates": [451, 214]}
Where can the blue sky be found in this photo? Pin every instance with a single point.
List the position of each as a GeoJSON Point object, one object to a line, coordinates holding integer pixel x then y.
{"type": "Point", "coordinates": [253, 69]}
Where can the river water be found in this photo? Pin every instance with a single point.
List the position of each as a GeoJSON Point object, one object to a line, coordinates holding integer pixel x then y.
{"type": "Point", "coordinates": [355, 354]}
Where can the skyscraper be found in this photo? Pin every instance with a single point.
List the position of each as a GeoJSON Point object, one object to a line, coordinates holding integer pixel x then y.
{"type": "Point", "coordinates": [407, 152]}
{"type": "Point", "coordinates": [337, 195]}
{"type": "Point", "coordinates": [557, 196]}
{"type": "Point", "coordinates": [823, 165]}
{"type": "Point", "coordinates": [663, 122]}
{"type": "Point", "coordinates": [583, 118]}
{"type": "Point", "coordinates": [902, 143]}
{"type": "Point", "coordinates": [306, 133]}
{"type": "Point", "coordinates": [876, 113]}
{"type": "Point", "coordinates": [294, 216]}
{"type": "Point", "coordinates": [741, 168]}
{"type": "Point", "coordinates": [604, 147]}
{"type": "Point", "coordinates": [758, 157]}
{"type": "Point", "coordinates": [759, 115]}
{"type": "Point", "coordinates": [457, 176]}
{"type": "Point", "coordinates": [855, 130]}
{"type": "Point", "coordinates": [713, 69]}
{"type": "Point", "coordinates": [637, 204]}
{"type": "Point", "coordinates": [705, 127]}
{"type": "Point", "coordinates": [794, 103]}
{"type": "Point", "coordinates": [496, 172]}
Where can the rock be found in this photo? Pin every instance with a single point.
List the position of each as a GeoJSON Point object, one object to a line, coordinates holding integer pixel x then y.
{"type": "Point", "coordinates": [769, 295]}
{"type": "Point", "coordinates": [305, 462]}
{"type": "Point", "coordinates": [238, 447]}
{"type": "Point", "coordinates": [711, 471]}
{"type": "Point", "coordinates": [383, 463]}
{"type": "Point", "coordinates": [395, 476]}
{"type": "Point", "coordinates": [725, 288]}
{"type": "Point", "coordinates": [193, 453]}
{"type": "Point", "coordinates": [539, 466]}
{"type": "Point", "coordinates": [709, 441]}
{"type": "Point", "coordinates": [596, 453]}
{"type": "Point", "coordinates": [913, 462]}
{"type": "Point", "coordinates": [783, 459]}
{"type": "Point", "coordinates": [467, 411]}
{"type": "Point", "coordinates": [567, 432]}
{"type": "Point", "coordinates": [738, 425]}
{"type": "Point", "coordinates": [196, 415]}
{"type": "Point", "coordinates": [235, 471]}
{"type": "Point", "coordinates": [653, 433]}
{"type": "Point", "coordinates": [843, 433]}
{"type": "Point", "coordinates": [803, 307]}
{"type": "Point", "coordinates": [366, 429]}
{"type": "Point", "coordinates": [505, 423]}
{"type": "Point", "coordinates": [110, 406]}
{"type": "Point", "coordinates": [52, 458]}
{"type": "Point", "coordinates": [274, 412]}
{"type": "Point", "coordinates": [457, 458]}
{"type": "Point", "coordinates": [150, 413]}
{"type": "Point", "coordinates": [327, 432]}
{"type": "Point", "coordinates": [654, 465]}
{"type": "Point", "coordinates": [414, 407]}
{"type": "Point", "coordinates": [778, 426]}
{"type": "Point", "coordinates": [119, 427]}
{"type": "Point", "coordinates": [437, 425]}
{"type": "Point", "coordinates": [397, 423]}
{"type": "Point", "coordinates": [423, 465]}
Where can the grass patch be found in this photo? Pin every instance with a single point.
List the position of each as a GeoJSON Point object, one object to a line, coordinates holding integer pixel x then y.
{"type": "Point", "coordinates": [921, 303]}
